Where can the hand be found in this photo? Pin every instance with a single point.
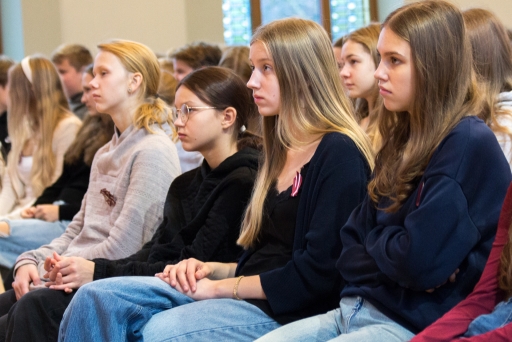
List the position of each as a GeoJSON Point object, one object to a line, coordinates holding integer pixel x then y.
{"type": "Point", "coordinates": [451, 279]}
{"type": "Point", "coordinates": [185, 274]}
{"type": "Point", "coordinates": [24, 276]}
{"type": "Point", "coordinates": [69, 273]}
{"type": "Point", "coordinates": [28, 212]}
{"type": "Point", "coordinates": [205, 289]}
{"type": "Point", "coordinates": [47, 212]}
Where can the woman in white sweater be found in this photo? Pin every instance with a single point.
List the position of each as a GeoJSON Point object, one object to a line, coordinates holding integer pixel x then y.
{"type": "Point", "coordinates": [130, 175]}
{"type": "Point", "coordinates": [41, 128]}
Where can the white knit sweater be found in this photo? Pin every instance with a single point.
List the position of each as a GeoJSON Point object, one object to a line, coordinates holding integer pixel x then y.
{"type": "Point", "coordinates": [136, 168]}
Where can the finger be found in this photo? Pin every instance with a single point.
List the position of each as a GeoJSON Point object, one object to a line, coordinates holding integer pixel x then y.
{"type": "Point", "coordinates": [172, 276]}
{"type": "Point", "coordinates": [181, 275]}
{"type": "Point", "coordinates": [47, 264]}
{"type": "Point", "coordinates": [430, 290]}
{"type": "Point", "coordinates": [191, 275]}
{"type": "Point", "coordinates": [167, 269]}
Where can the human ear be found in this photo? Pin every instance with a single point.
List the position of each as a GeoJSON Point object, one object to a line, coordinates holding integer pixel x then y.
{"type": "Point", "coordinates": [229, 117]}
{"type": "Point", "coordinates": [135, 81]}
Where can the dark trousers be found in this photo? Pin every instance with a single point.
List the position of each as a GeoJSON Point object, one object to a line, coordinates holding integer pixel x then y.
{"type": "Point", "coordinates": [35, 317]}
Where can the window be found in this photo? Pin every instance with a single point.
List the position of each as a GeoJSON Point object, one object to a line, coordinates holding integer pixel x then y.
{"type": "Point", "coordinates": [338, 17]}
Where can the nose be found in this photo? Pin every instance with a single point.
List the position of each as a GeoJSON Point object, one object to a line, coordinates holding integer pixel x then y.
{"type": "Point", "coordinates": [93, 83]}
{"type": "Point", "coordinates": [253, 82]}
{"type": "Point", "coordinates": [178, 122]}
{"type": "Point", "coordinates": [380, 73]}
{"type": "Point", "coordinates": [344, 71]}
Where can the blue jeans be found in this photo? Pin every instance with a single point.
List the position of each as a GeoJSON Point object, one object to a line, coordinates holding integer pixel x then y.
{"type": "Point", "coordinates": [136, 308]}
{"type": "Point", "coordinates": [499, 317]}
{"type": "Point", "coordinates": [25, 235]}
{"type": "Point", "coordinates": [355, 320]}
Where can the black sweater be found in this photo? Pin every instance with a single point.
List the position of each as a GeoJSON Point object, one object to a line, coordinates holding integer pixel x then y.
{"type": "Point", "coordinates": [202, 218]}
{"type": "Point", "coordinates": [70, 188]}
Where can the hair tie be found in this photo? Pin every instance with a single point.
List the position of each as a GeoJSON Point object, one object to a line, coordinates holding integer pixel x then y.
{"type": "Point", "coordinates": [27, 70]}
{"type": "Point", "coordinates": [242, 129]}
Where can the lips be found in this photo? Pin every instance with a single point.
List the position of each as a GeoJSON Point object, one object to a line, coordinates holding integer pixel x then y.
{"type": "Point", "coordinates": [384, 91]}
{"type": "Point", "coordinates": [257, 98]}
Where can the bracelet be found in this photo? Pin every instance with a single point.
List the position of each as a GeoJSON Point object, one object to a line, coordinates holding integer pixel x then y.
{"type": "Point", "coordinates": [235, 288]}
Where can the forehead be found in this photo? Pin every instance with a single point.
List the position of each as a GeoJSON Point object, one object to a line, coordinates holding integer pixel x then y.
{"type": "Point", "coordinates": [86, 78]}
{"type": "Point", "coordinates": [64, 64]}
{"type": "Point", "coordinates": [259, 52]}
{"type": "Point", "coordinates": [390, 42]}
{"type": "Point", "coordinates": [353, 48]}
{"type": "Point", "coordinates": [105, 59]}
{"type": "Point", "coordinates": [185, 95]}
{"type": "Point", "coordinates": [179, 64]}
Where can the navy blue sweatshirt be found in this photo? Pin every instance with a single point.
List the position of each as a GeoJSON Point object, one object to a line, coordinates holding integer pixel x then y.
{"type": "Point", "coordinates": [448, 222]}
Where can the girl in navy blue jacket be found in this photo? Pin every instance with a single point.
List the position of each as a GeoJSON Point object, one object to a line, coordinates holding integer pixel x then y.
{"type": "Point", "coordinates": [418, 243]}
{"type": "Point", "coordinates": [315, 171]}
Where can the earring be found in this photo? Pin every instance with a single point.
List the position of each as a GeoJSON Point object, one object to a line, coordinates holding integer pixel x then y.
{"type": "Point", "coordinates": [129, 90]}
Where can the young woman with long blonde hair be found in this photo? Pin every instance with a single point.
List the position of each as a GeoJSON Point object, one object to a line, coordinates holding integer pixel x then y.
{"type": "Point", "coordinates": [316, 165]}
{"type": "Point", "coordinates": [359, 59]}
{"type": "Point", "coordinates": [54, 209]}
{"type": "Point", "coordinates": [129, 178]}
{"type": "Point", "coordinates": [41, 128]}
{"type": "Point", "coordinates": [418, 243]}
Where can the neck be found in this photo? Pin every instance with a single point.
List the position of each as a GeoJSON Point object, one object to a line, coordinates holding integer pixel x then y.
{"type": "Point", "coordinates": [215, 156]}
{"type": "Point", "coordinates": [3, 108]}
{"type": "Point", "coordinates": [123, 117]}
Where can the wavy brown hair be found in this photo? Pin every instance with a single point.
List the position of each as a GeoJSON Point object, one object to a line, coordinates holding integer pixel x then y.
{"type": "Point", "coordinates": [505, 271]}
{"type": "Point", "coordinates": [436, 33]}
{"type": "Point", "coordinates": [492, 61]}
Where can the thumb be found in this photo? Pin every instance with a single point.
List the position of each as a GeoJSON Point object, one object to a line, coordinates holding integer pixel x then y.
{"type": "Point", "coordinates": [56, 256]}
{"type": "Point", "coordinates": [34, 276]}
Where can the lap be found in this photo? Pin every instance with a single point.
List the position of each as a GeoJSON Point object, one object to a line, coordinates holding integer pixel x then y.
{"type": "Point", "coordinates": [213, 319]}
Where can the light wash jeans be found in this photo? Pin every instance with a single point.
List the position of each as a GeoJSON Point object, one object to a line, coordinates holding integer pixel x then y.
{"type": "Point", "coordinates": [27, 234]}
{"type": "Point", "coordinates": [499, 317]}
{"type": "Point", "coordinates": [117, 309]}
{"type": "Point", "coordinates": [356, 320]}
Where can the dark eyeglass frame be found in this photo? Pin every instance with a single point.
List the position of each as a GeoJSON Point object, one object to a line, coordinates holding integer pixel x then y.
{"type": "Point", "coordinates": [185, 111]}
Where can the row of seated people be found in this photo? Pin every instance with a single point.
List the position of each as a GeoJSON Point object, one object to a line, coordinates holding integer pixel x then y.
{"type": "Point", "coordinates": [403, 236]}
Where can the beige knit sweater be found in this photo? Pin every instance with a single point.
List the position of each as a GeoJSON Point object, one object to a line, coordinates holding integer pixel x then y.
{"type": "Point", "coordinates": [134, 169]}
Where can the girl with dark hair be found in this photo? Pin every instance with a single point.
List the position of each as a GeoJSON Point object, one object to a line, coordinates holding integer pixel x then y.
{"type": "Point", "coordinates": [315, 169]}
{"type": "Point", "coordinates": [418, 243]}
{"type": "Point", "coordinates": [202, 212]}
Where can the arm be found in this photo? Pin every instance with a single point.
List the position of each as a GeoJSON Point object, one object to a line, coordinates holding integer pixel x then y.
{"type": "Point", "coordinates": [8, 198]}
{"type": "Point", "coordinates": [63, 137]}
{"type": "Point", "coordinates": [484, 297]}
{"type": "Point", "coordinates": [142, 206]}
{"type": "Point", "coordinates": [433, 241]}
{"type": "Point", "coordinates": [310, 278]}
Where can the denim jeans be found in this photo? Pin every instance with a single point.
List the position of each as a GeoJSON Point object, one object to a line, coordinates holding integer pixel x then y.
{"type": "Point", "coordinates": [25, 235]}
{"type": "Point", "coordinates": [146, 308]}
{"type": "Point", "coordinates": [355, 320]}
{"type": "Point", "coordinates": [499, 317]}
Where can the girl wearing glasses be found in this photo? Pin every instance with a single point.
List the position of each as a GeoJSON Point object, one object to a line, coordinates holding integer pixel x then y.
{"type": "Point", "coordinates": [203, 209]}
{"type": "Point", "coordinates": [314, 172]}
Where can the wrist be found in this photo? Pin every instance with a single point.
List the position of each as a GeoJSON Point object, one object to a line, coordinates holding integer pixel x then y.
{"type": "Point", "coordinates": [223, 288]}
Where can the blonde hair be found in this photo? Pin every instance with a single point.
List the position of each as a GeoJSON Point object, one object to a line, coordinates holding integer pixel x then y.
{"type": "Point", "coordinates": [236, 58]}
{"type": "Point", "coordinates": [368, 37]}
{"type": "Point", "coordinates": [492, 61]}
{"type": "Point", "coordinates": [312, 102]}
{"type": "Point", "coordinates": [138, 58]}
{"type": "Point", "coordinates": [36, 109]}
{"type": "Point", "coordinates": [445, 94]}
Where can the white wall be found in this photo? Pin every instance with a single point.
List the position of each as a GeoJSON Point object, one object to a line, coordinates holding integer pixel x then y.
{"type": "Point", "coordinates": [160, 24]}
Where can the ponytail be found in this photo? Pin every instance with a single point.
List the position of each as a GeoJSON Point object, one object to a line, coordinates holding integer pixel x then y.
{"type": "Point", "coordinates": [153, 111]}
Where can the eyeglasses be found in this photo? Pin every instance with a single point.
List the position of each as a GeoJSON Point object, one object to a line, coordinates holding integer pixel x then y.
{"type": "Point", "coordinates": [184, 112]}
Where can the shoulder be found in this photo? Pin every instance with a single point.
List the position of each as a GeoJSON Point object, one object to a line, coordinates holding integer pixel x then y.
{"type": "Point", "coordinates": [70, 123]}
{"type": "Point", "coordinates": [469, 144]}
{"type": "Point", "coordinates": [336, 148]}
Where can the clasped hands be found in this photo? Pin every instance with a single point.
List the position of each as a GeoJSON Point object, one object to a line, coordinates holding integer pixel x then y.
{"type": "Point", "coordinates": [67, 273]}
{"type": "Point", "coordinates": [190, 277]}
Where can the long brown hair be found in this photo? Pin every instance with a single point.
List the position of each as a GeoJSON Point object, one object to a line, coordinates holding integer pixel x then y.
{"type": "Point", "coordinates": [435, 31]}
{"type": "Point", "coordinates": [222, 88]}
{"type": "Point", "coordinates": [505, 271]}
{"type": "Point", "coordinates": [492, 60]}
{"type": "Point", "coordinates": [313, 102]}
{"type": "Point", "coordinates": [37, 106]}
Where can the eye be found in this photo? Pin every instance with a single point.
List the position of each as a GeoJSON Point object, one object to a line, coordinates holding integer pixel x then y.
{"type": "Point", "coordinates": [252, 67]}
{"type": "Point", "coordinates": [267, 67]}
{"type": "Point", "coordinates": [394, 60]}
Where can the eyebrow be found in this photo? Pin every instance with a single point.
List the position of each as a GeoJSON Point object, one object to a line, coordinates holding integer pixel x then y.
{"type": "Point", "coordinates": [262, 59]}
{"type": "Point", "coordinates": [389, 53]}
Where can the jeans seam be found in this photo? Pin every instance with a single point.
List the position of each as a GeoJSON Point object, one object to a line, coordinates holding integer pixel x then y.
{"type": "Point", "coordinates": [355, 309]}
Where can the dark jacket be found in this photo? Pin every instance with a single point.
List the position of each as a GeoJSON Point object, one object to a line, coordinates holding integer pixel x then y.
{"type": "Point", "coordinates": [448, 222]}
{"type": "Point", "coordinates": [334, 185]}
{"type": "Point", "coordinates": [70, 188]}
{"type": "Point", "coordinates": [202, 218]}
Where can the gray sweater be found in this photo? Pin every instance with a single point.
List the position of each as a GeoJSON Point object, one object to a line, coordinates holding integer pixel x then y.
{"type": "Point", "coordinates": [136, 168]}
